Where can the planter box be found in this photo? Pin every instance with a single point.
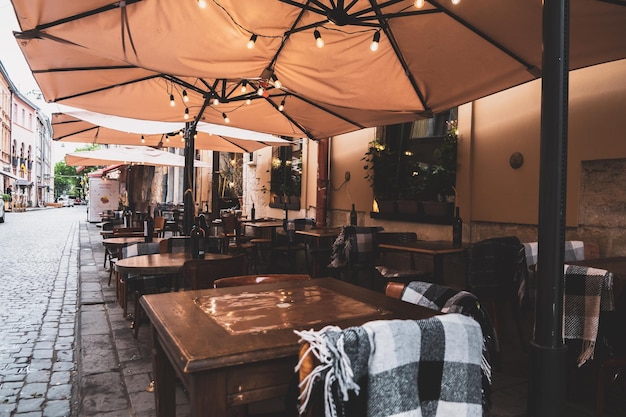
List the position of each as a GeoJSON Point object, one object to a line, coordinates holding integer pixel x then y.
{"type": "Point", "coordinates": [408, 206]}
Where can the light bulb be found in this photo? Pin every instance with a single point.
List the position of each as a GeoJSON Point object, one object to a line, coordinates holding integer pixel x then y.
{"type": "Point", "coordinates": [252, 41]}
{"type": "Point", "coordinates": [375, 40]}
{"type": "Point", "coordinates": [277, 82]}
{"type": "Point", "coordinates": [248, 101]}
{"type": "Point", "coordinates": [167, 139]}
{"type": "Point", "coordinates": [318, 38]}
{"type": "Point", "coordinates": [185, 96]}
{"type": "Point", "coordinates": [260, 91]}
{"type": "Point", "coordinates": [143, 140]}
{"type": "Point", "coordinates": [180, 132]}
{"type": "Point", "coordinates": [243, 87]}
{"type": "Point", "coordinates": [202, 4]}
{"type": "Point", "coordinates": [172, 102]}
{"type": "Point", "coordinates": [216, 101]}
{"type": "Point", "coordinates": [456, 1]}
{"type": "Point", "coordinates": [282, 105]}
{"type": "Point", "coordinates": [186, 116]}
{"type": "Point", "coordinates": [419, 3]}
{"type": "Point", "coordinates": [226, 119]}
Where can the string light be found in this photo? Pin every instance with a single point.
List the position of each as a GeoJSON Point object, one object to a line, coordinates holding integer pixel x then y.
{"type": "Point", "coordinates": [172, 102]}
{"type": "Point", "coordinates": [185, 96]}
{"type": "Point", "coordinates": [167, 139]}
{"type": "Point", "coordinates": [318, 38]}
{"type": "Point", "coordinates": [277, 82]}
{"type": "Point", "coordinates": [375, 40]}
{"type": "Point", "coordinates": [143, 140]}
{"type": "Point", "coordinates": [216, 101]}
{"type": "Point", "coordinates": [260, 91]}
{"type": "Point", "coordinates": [202, 4]}
{"type": "Point", "coordinates": [248, 101]}
{"type": "Point", "coordinates": [419, 3]}
{"type": "Point", "coordinates": [186, 116]}
{"type": "Point", "coordinates": [226, 119]}
{"type": "Point", "coordinates": [243, 87]}
{"type": "Point", "coordinates": [282, 105]}
{"type": "Point", "coordinates": [456, 2]}
{"type": "Point", "coordinates": [251, 41]}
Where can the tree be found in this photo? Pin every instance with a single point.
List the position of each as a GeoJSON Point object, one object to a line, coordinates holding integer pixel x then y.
{"type": "Point", "coordinates": [67, 180]}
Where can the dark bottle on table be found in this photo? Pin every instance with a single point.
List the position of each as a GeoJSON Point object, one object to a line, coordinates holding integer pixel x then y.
{"type": "Point", "coordinates": [196, 235]}
{"type": "Point", "coordinates": [457, 229]}
{"type": "Point", "coordinates": [353, 217]}
{"type": "Point", "coordinates": [148, 226]}
{"type": "Point", "coordinates": [253, 213]}
{"type": "Point", "coordinates": [128, 217]}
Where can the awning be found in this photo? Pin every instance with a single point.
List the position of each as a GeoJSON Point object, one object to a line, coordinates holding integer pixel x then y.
{"type": "Point", "coordinates": [8, 174]}
{"type": "Point", "coordinates": [23, 183]}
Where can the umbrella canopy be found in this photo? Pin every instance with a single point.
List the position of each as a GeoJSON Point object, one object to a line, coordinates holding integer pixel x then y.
{"type": "Point", "coordinates": [428, 59]}
{"type": "Point", "coordinates": [88, 127]}
{"type": "Point", "coordinates": [130, 155]}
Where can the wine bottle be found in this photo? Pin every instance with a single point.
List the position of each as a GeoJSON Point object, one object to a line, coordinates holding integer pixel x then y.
{"type": "Point", "coordinates": [353, 218]}
{"type": "Point", "coordinates": [197, 237]}
{"type": "Point", "coordinates": [148, 226]}
{"type": "Point", "coordinates": [457, 229]}
{"type": "Point", "coordinates": [253, 213]}
{"type": "Point", "coordinates": [128, 217]}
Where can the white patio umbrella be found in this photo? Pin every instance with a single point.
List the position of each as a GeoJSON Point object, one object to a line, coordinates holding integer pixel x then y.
{"type": "Point", "coordinates": [77, 125]}
{"type": "Point", "coordinates": [130, 155]}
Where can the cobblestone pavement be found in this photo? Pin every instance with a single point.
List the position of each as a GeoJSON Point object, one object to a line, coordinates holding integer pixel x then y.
{"type": "Point", "coordinates": [38, 305]}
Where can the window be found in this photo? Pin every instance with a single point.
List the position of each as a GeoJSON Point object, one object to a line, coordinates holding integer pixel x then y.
{"type": "Point", "coordinates": [286, 177]}
{"type": "Point", "coordinates": [415, 163]}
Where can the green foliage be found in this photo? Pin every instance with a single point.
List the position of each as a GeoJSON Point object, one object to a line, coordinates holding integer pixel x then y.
{"type": "Point", "coordinates": [381, 167]}
{"type": "Point", "coordinates": [6, 197]}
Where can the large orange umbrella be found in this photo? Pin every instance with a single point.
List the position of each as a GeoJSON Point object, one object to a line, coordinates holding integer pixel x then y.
{"type": "Point", "coordinates": [128, 58]}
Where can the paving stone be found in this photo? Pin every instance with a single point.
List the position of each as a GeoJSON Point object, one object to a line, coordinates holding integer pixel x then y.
{"type": "Point", "coordinates": [57, 408]}
{"type": "Point", "coordinates": [102, 392]}
{"type": "Point", "coordinates": [60, 392]}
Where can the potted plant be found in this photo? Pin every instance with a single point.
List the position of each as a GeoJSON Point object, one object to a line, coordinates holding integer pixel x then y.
{"type": "Point", "coordinates": [6, 199]}
{"type": "Point", "coordinates": [381, 172]}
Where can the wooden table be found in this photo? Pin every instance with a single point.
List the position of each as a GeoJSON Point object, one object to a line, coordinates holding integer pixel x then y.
{"type": "Point", "coordinates": [158, 264]}
{"type": "Point", "coordinates": [260, 227]}
{"type": "Point", "coordinates": [233, 346]}
{"type": "Point", "coordinates": [322, 238]}
{"type": "Point", "coordinates": [437, 249]}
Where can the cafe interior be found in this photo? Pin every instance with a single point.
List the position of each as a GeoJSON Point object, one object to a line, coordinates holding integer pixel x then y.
{"type": "Point", "coordinates": [400, 264]}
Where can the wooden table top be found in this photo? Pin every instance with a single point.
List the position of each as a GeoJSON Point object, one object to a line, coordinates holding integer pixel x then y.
{"type": "Point", "coordinates": [127, 240]}
{"type": "Point", "coordinates": [320, 232]}
{"type": "Point", "coordinates": [273, 223]}
{"type": "Point", "coordinates": [221, 327]}
{"type": "Point", "coordinates": [158, 264]}
{"type": "Point", "coordinates": [430, 247]}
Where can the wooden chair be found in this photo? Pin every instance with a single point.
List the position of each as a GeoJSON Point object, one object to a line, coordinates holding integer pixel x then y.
{"type": "Point", "coordinates": [175, 244]}
{"type": "Point", "coordinates": [159, 226]}
{"type": "Point", "coordinates": [128, 284]}
{"type": "Point", "coordinates": [258, 279]}
{"type": "Point", "coordinates": [288, 244]}
{"type": "Point", "coordinates": [200, 274]}
{"type": "Point", "coordinates": [491, 268]}
{"type": "Point", "coordinates": [449, 300]}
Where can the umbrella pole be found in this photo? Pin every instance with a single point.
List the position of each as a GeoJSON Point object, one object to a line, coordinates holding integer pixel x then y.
{"type": "Point", "coordinates": [189, 178]}
{"type": "Point", "coordinates": [547, 385]}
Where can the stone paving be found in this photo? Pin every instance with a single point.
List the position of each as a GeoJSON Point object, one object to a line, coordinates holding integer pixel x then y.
{"type": "Point", "coordinates": [38, 300]}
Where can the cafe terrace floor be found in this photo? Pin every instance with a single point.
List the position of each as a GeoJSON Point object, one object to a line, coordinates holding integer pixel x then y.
{"type": "Point", "coordinates": [115, 369]}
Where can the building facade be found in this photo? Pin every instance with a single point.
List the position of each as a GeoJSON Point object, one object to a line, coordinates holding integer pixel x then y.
{"type": "Point", "coordinates": [25, 149]}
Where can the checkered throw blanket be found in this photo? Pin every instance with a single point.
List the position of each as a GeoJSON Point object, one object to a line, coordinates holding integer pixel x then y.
{"type": "Point", "coordinates": [425, 368]}
{"type": "Point", "coordinates": [587, 292]}
{"type": "Point", "coordinates": [574, 251]}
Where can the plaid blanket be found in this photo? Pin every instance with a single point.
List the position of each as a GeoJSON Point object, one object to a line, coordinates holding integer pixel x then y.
{"type": "Point", "coordinates": [574, 250]}
{"type": "Point", "coordinates": [587, 292]}
{"type": "Point", "coordinates": [399, 367]}
{"type": "Point", "coordinates": [449, 300]}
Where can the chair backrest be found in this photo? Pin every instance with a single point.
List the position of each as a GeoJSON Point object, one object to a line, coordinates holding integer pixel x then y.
{"type": "Point", "coordinates": [230, 225]}
{"type": "Point", "coordinates": [258, 279]}
{"type": "Point", "coordinates": [175, 244]}
{"type": "Point", "coordinates": [363, 244]}
{"type": "Point", "coordinates": [396, 237]}
{"type": "Point", "coordinates": [141, 248]}
{"type": "Point", "coordinates": [202, 273]}
{"type": "Point", "coordinates": [159, 222]}
{"type": "Point", "coordinates": [492, 266]}
{"type": "Point", "coordinates": [426, 358]}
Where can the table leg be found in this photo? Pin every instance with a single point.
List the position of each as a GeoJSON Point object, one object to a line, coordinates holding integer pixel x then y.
{"type": "Point", "coordinates": [438, 269]}
{"type": "Point", "coordinates": [207, 394]}
{"type": "Point", "coordinates": [164, 380]}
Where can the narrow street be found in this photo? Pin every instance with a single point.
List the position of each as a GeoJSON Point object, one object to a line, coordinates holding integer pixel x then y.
{"type": "Point", "coordinates": [38, 303]}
